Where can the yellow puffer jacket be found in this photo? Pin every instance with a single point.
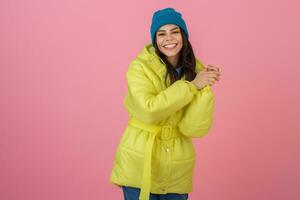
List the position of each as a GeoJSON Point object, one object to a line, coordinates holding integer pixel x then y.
{"type": "Point", "coordinates": [156, 152]}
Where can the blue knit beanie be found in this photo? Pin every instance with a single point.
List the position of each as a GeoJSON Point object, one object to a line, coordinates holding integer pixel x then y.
{"type": "Point", "coordinates": [166, 16]}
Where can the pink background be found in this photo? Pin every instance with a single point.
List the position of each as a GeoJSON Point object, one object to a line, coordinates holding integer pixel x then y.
{"type": "Point", "coordinates": [62, 84]}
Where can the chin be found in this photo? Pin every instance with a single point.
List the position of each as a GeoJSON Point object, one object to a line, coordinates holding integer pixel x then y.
{"type": "Point", "coordinates": [170, 54]}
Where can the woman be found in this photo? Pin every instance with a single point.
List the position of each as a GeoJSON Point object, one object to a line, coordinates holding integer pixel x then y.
{"type": "Point", "coordinates": [169, 102]}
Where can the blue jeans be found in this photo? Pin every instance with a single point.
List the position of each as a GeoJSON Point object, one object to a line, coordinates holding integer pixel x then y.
{"type": "Point", "coordinates": [131, 193]}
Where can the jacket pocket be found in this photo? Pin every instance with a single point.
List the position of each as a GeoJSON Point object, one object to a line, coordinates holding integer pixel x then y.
{"type": "Point", "coordinates": [131, 164]}
{"type": "Point", "coordinates": [182, 174]}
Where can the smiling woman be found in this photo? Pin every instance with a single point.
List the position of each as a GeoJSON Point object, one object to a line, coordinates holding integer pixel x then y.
{"type": "Point", "coordinates": [169, 102]}
{"type": "Point", "coordinates": [169, 42]}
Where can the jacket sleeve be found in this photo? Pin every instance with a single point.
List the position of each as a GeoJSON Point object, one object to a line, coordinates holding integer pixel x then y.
{"type": "Point", "coordinates": [145, 103]}
{"type": "Point", "coordinates": [198, 116]}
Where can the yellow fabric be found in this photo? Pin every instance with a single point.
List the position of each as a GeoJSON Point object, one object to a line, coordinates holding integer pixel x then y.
{"type": "Point", "coordinates": [156, 152]}
{"type": "Point", "coordinates": [167, 132]}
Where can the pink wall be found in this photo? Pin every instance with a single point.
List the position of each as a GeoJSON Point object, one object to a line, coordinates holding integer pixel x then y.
{"type": "Point", "coordinates": [62, 83]}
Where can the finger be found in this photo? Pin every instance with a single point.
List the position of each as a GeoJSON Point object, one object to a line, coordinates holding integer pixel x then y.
{"type": "Point", "coordinates": [204, 68]}
{"type": "Point", "coordinates": [215, 79]}
{"type": "Point", "coordinates": [211, 80]}
{"type": "Point", "coordinates": [212, 67]}
{"type": "Point", "coordinates": [209, 69]}
{"type": "Point", "coordinates": [215, 68]}
{"type": "Point", "coordinates": [214, 73]}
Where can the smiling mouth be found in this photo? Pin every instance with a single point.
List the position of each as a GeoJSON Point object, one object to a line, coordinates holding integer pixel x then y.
{"type": "Point", "coordinates": [170, 46]}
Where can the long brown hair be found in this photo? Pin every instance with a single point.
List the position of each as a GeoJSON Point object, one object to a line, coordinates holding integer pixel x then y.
{"type": "Point", "coordinates": [186, 58]}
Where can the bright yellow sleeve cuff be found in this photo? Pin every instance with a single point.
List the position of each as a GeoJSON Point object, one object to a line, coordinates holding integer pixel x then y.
{"type": "Point", "coordinates": [192, 87]}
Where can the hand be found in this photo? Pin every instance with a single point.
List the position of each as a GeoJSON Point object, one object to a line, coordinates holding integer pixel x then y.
{"type": "Point", "coordinates": [207, 76]}
{"type": "Point", "coordinates": [212, 68]}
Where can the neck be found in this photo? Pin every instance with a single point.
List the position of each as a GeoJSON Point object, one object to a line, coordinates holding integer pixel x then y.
{"type": "Point", "coordinates": [173, 60]}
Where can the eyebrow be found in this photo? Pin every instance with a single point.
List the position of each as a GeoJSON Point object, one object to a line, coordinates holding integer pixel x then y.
{"type": "Point", "coordinates": [165, 30]}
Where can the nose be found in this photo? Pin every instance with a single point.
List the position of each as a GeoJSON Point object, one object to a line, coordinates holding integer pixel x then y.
{"type": "Point", "coordinates": [168, 37]}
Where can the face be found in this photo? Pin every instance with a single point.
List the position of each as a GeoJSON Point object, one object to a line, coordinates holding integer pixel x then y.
{"type": "Point", "coordinates": [169, 40]}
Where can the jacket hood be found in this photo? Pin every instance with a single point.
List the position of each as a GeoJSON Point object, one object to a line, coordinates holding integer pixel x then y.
{"type": "Point", "coordinates": [148, 56]}
{"type": "Point", "coordinates": [148, 52]}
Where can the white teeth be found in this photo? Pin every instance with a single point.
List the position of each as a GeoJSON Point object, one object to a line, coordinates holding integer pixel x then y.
{"type": "Point", "coordinates": [169, 46]}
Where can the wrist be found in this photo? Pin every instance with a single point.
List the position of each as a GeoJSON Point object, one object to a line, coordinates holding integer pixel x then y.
{"type": "Point", "coordinates": [193, 82]}
{"type": "Point", "coordinates": [192, 86]}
